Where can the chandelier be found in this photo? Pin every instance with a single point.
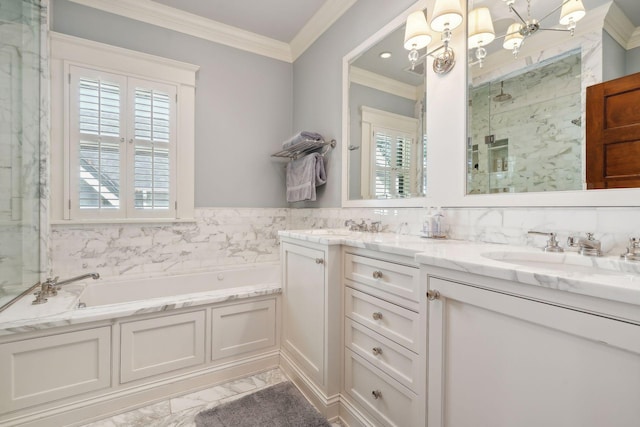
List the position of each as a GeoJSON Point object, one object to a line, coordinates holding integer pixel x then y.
{"type": "Point", "coordinates": [481, 31]}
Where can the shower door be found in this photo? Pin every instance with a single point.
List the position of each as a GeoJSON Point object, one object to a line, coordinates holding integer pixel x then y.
{"type": "Point", "coordinates": [20, 118]}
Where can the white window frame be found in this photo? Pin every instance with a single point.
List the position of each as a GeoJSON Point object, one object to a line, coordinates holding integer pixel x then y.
{"type": "Point", "coordinates": [373, 119]}
{"type": "Point", "coordinates": [164, 74]}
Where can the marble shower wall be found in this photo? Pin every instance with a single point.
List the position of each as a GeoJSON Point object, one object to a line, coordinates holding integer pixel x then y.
{"type": "Point", "coordinates": [218, 237]}
{"type": "Point", "coordinates": [23, 143]}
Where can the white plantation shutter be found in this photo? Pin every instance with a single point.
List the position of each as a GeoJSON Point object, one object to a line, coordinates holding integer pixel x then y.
{"type": "Point", "coordinates": [153, 156]}
{"type": "Point", "coordinates": [394, 155]}
{"type": "Point", "coordinates": [122, 146]}
{"type": "Point", "coordinates": [97, 131]}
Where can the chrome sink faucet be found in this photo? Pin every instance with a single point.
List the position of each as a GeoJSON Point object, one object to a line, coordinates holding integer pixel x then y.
{"type": "Point", "coordinates": [633, 250]}
{"type": "Point", "coordinates": [50, 287]}
{"type": "Point", "coordinates": [552, 243]}
{"type": "Point", "coordinates": [587, 246]}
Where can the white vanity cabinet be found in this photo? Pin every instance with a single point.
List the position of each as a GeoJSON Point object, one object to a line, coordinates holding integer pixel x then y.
{"type": "Point", "coordinates": [311, 301]}
{"type": "Point", "coordinates": [502, 356]}
{"type": "Point", "coordinates": [384, 338]}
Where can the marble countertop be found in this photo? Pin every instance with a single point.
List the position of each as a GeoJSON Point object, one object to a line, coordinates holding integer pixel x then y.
{"type": "Point", "coordinates": [60, 310]}
{"type": "Point", "coordinates": [602, 277]}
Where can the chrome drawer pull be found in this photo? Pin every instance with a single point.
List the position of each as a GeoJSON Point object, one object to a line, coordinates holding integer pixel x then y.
{"type": "Point", "coordinates": [431, 295]}
{"type": "Point", "coordinates": [376, 351]}
{"type": "Point", "coordinates": [377, 274]}
{"type": "Point", "coordinates": [319, 261]}
{"type": "Point", "coordinates": [377, 315]}
{"type": "Point", "coordinates": [377, 394]}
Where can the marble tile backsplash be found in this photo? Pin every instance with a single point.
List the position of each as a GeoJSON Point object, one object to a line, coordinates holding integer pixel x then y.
{"type": "Point", "coordinates": [613, 226]}
{"type": "Point", "coordinates": [233, 236]}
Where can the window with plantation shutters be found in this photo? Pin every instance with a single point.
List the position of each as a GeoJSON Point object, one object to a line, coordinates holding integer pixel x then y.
{"type": "Point", "coordinates": [390, 155]}
{"type": "Point", "coordinates": [394, 156]}
{"type": "Point", "coordinates": [122, 146]}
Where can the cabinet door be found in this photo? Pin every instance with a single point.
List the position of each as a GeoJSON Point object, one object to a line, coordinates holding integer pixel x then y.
{"type": "Point", "coordinates": [160, 345]}
{"type": "Point", "coordinates": [45, 369]}
{"type": "Point", "coordinates": [243, 329]}
{"type": "Point", "coordinates": [304, 307]}
{"type": "Point", "coordinates": [499, 360]}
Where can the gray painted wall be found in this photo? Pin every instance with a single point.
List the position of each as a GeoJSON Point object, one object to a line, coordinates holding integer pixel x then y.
{"type": "Point", "coordinates": [614, 58]}
{"type": "Point", "coordinates": [317, 82]}
{"type": "Point", "coordinates": [633, 61]}
{"type": "Point", "coordinates": [243, 105]}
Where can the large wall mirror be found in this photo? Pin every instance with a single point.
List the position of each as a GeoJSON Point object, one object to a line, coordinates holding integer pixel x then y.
{"type": "Point", "coordinates": [384, 158]}
{"type": "Point", "coordinates": [526, 88]}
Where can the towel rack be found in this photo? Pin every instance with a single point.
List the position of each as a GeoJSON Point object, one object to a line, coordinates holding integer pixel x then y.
{"type": "Point", "coordinates": [306, 147]}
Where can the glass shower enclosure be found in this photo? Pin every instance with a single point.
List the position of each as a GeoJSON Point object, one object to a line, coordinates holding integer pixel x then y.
{"type": "Point", "coordinates": [21, 116]}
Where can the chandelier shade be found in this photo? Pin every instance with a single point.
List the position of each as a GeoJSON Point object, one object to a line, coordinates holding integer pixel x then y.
{"type": "Point", "coordinates": [481, 31]}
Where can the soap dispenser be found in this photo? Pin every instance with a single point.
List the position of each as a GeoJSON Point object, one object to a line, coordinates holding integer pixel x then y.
{"type": "Point", "coordinates": [428, 224]}
{"type": "Point", "coordinates": [439, 225]}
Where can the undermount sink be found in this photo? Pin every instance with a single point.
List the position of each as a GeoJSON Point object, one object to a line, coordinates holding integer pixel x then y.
{"type": "Point", "coordinates": [329, 232]}
{"type": "Point", "coordinates": [566, 262]}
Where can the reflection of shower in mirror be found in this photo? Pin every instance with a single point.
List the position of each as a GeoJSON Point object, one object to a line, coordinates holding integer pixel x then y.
{"type": "Point", "coordinates": [502, 97]}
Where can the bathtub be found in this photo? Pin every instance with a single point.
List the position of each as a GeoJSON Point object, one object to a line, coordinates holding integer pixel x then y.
{"type": "Point", "coordinates": [127, 342]}
{"type": "Point", "coordinates": [178, 287]}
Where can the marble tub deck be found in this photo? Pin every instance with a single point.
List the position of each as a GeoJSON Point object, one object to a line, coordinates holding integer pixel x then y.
{"type": "Point", "coordinates": [180, 411]}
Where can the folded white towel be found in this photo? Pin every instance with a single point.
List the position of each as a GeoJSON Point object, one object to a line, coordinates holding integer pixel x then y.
{"type": "Point", "coordinates": [303, 176]}
{"type": "Point", "coordinates": [301, 137]}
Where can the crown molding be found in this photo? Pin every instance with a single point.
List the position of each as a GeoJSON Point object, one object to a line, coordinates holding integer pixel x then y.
{"type": "Point", "coordinates": [187, 23]}
{"type": "Point", "coordinates": [620, 28]}
{"type": "Point", "coordinates": [320, 22]}
{"type": "Point", "coordinates": [197, 26]}
{"type": "Point", "coordinates": [385, 84]}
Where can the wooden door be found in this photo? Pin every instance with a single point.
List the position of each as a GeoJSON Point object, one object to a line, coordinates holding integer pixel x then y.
{"type": "Point", "coordinates": [613, 133]}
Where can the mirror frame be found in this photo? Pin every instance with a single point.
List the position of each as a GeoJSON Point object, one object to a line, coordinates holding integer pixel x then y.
{"type": "Point", "coordinates": [346, 60]}
{"type": "Point", "coordinates": [446, 106]}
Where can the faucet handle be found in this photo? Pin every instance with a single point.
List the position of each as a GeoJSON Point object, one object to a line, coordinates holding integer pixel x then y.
{"type": "Point", "coordinates": [552, 243]}
{"type": "Point", "coordinates": [633, 250]}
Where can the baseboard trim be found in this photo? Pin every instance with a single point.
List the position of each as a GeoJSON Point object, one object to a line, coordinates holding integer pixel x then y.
{"type": "Point", "coordinates": [329, 406]}
{"type": "Point", "coordinates": [86, 411]}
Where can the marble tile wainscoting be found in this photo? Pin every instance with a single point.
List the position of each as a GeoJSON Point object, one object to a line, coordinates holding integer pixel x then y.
{"type": "Point", "coordinates": [234, 236]}
{"type": "Point", "coordinates": [218, 237]}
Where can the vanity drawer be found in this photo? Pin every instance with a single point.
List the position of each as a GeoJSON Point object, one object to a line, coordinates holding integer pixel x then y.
{"type": "Point", "coordinates": [396, 323]}
{"type": "Point", "coordinates": [395, 360]}
{"type": "Point", "coordinates": [395, 282]}
{"type": "Point", "coordinates": [385, 398]}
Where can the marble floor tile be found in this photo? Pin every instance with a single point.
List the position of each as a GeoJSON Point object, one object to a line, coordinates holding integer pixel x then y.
{"type": "Point", "coordinates": [180, 411]}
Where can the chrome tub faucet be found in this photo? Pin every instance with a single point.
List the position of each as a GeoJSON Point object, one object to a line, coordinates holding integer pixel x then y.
{"type": "Point", "coordinates": [50, 287]}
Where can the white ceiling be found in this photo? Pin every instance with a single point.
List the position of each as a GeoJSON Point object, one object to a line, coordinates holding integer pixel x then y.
{"type": "Point", "coordinates": [277, 19]}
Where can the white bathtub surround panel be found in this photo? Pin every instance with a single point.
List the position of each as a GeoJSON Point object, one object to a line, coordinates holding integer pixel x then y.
{"type": "Point", "coordinates": [218, 237]}
{"type": "Point", "coordinates": [613, 226]}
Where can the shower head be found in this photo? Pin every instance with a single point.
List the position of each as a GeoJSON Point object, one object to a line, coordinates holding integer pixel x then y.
{"type": "Point", "coordinates": [502, 97]}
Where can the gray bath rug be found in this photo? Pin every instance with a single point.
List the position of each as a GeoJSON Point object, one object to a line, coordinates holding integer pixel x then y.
{"type": "Point", "coordinates": [281, 405]}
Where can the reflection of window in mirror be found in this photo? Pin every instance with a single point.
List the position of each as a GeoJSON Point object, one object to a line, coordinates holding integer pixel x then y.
{"type": "Point", "coordinates": [391, 155]}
